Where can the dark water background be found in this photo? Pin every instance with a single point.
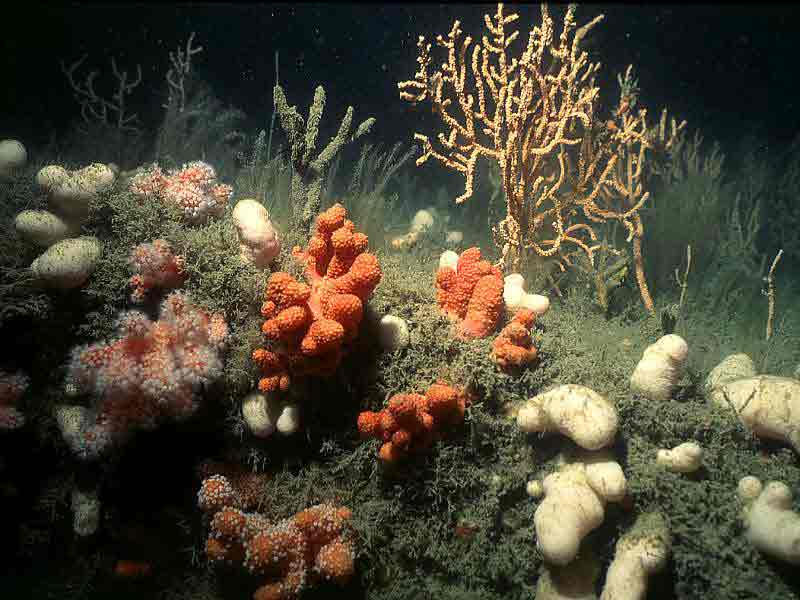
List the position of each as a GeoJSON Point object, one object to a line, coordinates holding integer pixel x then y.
{"type": "Point", "coordinates": [727, 68]}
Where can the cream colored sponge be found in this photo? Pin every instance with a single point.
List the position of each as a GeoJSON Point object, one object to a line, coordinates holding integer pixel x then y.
{"type": "Point", "coordinates": [683, 458]}
{"type": "Point", "coordinates": [766, 404]}
{"type": "Point", "coordinates": [258, 240]}
{"type": "Point", "coordinates": [68, 263]}
{"type": "Point", "coordinates": [661, 367]}
{"type": "Point", "coordinates": [576, 411]}
{"type": "Point", "coordinates": [772, 526]}
{"type": "Point", "coordinates": [13, 157]}
{"type": "Point", "coordinates": [574, 503]}
{"type": "Point", "coordinates": [640, 553]}
{"type": "Point", "coordinates": [265, 414]}
{"type": "Point", "coordinates": [516, 298]}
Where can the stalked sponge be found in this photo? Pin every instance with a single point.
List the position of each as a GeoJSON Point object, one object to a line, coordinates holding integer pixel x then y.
{"type": "Point", "coordinates": [641, 552]}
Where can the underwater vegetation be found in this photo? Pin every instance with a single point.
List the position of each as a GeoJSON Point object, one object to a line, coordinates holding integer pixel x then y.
{"type": "Point", "coordinates": [306, 373]}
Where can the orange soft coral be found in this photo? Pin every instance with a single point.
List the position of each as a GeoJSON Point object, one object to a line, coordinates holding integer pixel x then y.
{"type": "Point", "coordinates": [411, 422]}
{"type": "Point", "coordinates": [311, 323]}
{"type": "Point", "coordinates": [472, 294]}
{"type": "Point", "coordinates": [274, 369]}
{"type": "Point", "coordinates": [287, 556]}
{"type": "Point", "coordinates": [229, 484]}
{"type": "Point", "coordinates": [513, 348]}
{"type": "Point", "coordinates": [484, 308]}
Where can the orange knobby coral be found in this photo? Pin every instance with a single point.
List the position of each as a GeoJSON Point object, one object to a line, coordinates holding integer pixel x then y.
{"type": "Point", "coordinates": [312, 322]}
{"type": "Point", "coordinates": [472, 293]}
{"type": "Point", "coordinates": [514, 348]}
{"type": "Point", "coordinates": [411, 422]}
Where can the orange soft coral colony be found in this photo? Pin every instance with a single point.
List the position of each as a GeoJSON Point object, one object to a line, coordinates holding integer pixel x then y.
{"type": "Point", "coordinates": [513, 348]}
{"type": "Point", "coordinates": [411, 422]}
{"type": "Point", "coordinates": [312, 322]}
{"type": "Point", "coordinates": [471, 293]}
{"type": "Point", "coordinates": [288, 556]}
{"type": "Point", "coordinates": [311, 546]}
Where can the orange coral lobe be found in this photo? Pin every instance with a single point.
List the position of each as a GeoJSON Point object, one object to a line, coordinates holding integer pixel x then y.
{"type": "Point", "coordinates": [369, 423]}
{"type": "Point", "coordinates": [411, 422]}
{"type": "Point", "coordinates": [389, 453]}
{"type": "Point", "coordinates": [273, 367]}
{"type": "Point", "coordinates": [323, 336]}
{"type": "Point", "coordinates": [347, 309]}
{"type": "Point", "coordinates": [332, 219]}
{"type": "Point", "coordinates": [335, 561]}
{"type": "Point", "coordinates": [314, 322]}
{"type": "Point", "coordinates": [513, 348]}
{"type": "Point", "coordinates": [447, 404]}
{"type": "Point", "coordinates": [484, 308]}
{"type": "Point", "coordinates": [132, 568]}
{"type": "Point", "coordinates": [471, 293]}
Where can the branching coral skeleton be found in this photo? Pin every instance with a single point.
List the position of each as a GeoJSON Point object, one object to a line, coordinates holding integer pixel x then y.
{"type": "Point", "coordinates": [563, 170]}
{"type": "Point", "coordinates": [111, 111]}
{"type": "Point", "coordinates": [179, 72]}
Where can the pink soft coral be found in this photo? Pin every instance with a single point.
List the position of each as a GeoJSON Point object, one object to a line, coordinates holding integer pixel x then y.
{"type": "Point", "coordinates": [151, 371]}
{"type": "Point", "coordinates": [154, 266]}
{"type": "Point", "coordinates": [193, 188]}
